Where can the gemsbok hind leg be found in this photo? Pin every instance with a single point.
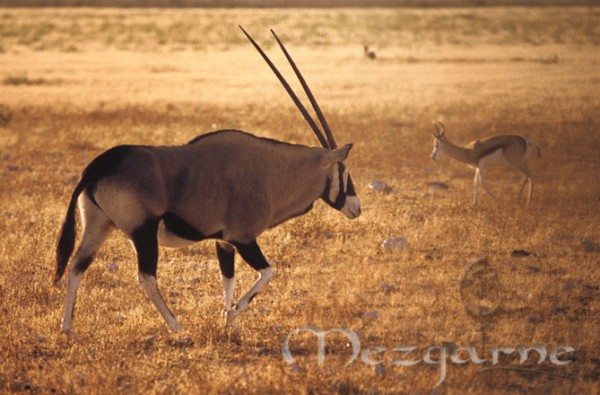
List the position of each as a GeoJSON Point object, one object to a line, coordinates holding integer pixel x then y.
{"type": "Point", "coordinates": [226, 256]}
{"type": "Point", "coordinates": [252, 254]}
{"type": "Point", "coordinates": [145, 242]}
{"type": "Point", "coordinates": [95, 228]}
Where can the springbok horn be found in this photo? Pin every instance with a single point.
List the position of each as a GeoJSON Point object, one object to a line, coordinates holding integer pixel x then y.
{"type": "Point", "coordinates": [290, 92]}
{"type": "Point", "coordinates": [311, 97]}
{"type": "Point", "coordinates": [440, 128]}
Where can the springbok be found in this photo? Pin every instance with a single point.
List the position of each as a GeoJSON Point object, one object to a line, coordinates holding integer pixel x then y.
{"type": "Point", "coordinates": [226, 185]}
{"type": "Point", "coordinates": [511, 150]}
{"type": "Point", "coordinates": [369, 54]}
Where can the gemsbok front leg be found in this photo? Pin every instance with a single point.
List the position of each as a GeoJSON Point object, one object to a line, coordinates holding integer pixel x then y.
{"type": "Point", "coordinates": [226, 256]}
{"type": "Point", "coordinates": [145, 242]}
{"type": "Point", "coordinates": [252, 254]}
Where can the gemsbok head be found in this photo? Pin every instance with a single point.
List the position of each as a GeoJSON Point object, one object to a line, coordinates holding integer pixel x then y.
{"type": "Point", "coordinates": [510, 150]}
{"type": "Point", "coordinates": [227, 185]}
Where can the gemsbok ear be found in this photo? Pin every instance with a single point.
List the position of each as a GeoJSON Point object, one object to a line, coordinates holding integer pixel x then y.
{"type": "Point", "coordinates": [345, 150]}
{"type": "Point", "coordinates": [335, 156]}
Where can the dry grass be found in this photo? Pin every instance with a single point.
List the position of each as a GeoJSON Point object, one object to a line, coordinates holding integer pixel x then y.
{"type": "Point", "coordinates": [330, 271]}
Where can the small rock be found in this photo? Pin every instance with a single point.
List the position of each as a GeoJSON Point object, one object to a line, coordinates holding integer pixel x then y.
{"type": "Point", "coordinates": [379, 186]}
{"type": "Point", "coordinates": [379, 370]}
{"type": "Point", "coordinates": [534, 319]}
{"type": "Point", "coordinates": [264, 310]}
{"type": "Point", "coordinates": [591, 246]}
{"type": "Point", "coordinates": [450, 346]}
{"type": "Point", "coordinates": [519, 253]}
{"type": "Point", "coordinates": [112, 267]}
{"type": "Point", "coordinates": [478, 259]}
{"type": "Point", "coordinates": [297, 369]}
{"type": "Point", "coordinates": [371, 337]}
{"type": "Point", "coordinates": [533, 269]}
{"type": "Point", "coordinates": [370, 315]}
{"type": "Point", "coordinates": [260, 350]}
{"type": "Point", "coordinates": [394, 244]}
{"type": "Point", "coordinates": [387, 288]}
{"type": "Point", "coordinates": [436, 186]}
{"type": "Point", "coordinates": [181, 342]}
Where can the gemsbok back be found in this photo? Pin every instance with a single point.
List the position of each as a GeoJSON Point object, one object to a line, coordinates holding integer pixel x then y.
{"type": "Point", "coordinates": [511, 150]}
{"type": "Point", "coordinates": [226, 185]}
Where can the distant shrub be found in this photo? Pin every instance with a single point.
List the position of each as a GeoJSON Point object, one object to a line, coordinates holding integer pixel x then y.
{"type": "Point", "coordinates": [23, 79]}
{"type": "Point", "coordinates": [5, 115]}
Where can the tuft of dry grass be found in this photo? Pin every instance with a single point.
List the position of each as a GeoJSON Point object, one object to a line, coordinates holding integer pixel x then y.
{"type": "Point", "coordinates": [330, 272]}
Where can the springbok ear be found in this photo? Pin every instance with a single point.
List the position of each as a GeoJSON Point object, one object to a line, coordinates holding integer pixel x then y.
{"type": "Point", "coordinates": [337, 155]}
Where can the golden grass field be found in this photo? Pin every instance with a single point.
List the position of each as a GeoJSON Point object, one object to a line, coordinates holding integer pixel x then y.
{"type": "Point", "coordinates": [74, 82]}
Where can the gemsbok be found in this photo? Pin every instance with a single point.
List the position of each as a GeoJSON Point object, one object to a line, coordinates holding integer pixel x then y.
{"type": "Point", "coordinates": [511, 150]}
{"type": "Point", "coordinates": [226, 185]}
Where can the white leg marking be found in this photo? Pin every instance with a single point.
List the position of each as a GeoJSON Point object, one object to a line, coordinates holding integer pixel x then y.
{"type": "Point", "coordinates": [73, 282]}
{"type": "Point", "coordinates": [484, 184]}
{"type": "Point", "coordinates": [530, 191]}
{"type": "Point", "coordinates": [475, 185]}
{"type": "Point", "coordinates": [242, 304]}
{"type": "Point", "coordinates": [228, 287]}
{"type": "Point", "coordinates": [148, 282]}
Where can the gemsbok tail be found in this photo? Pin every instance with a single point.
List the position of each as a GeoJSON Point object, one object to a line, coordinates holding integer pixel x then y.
{"type": "Point", "coordinates": [66, 239]}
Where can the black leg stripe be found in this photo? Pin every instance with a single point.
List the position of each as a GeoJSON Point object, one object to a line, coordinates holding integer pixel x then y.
{"type": "Point", "coordinates": [226, 261]}
{"type": "Point", "coordinates": [252, 255]}
{"type": "Point", "coordinates": [145, 241]}
{"type": "Point", "coordinates": [83, 264]}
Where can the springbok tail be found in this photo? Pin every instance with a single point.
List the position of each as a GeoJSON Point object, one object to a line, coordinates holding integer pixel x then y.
{"type": "Point", "coordinates": [66, 239]}
{"type": "Point", "coordinates": [539, 150]}
{"type": "Point", "coordinates": [531, 143]}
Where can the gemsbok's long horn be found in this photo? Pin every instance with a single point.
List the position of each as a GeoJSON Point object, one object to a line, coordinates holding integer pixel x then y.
{"type": "Point", "coordinates": [290, 92]}
{"type": "Point", "coordinates": [311, 97]}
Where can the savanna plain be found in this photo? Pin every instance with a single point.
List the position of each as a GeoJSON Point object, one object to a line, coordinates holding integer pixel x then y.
{"type": "Point", "coordinates": [74, 82]}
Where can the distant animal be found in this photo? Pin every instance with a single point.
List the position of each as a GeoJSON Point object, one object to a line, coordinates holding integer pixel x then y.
{"type": "Point", "coordinates": [226, 185]}
{"type": "Point", "coordinates": [369, 54]}
{"type": "Point", "coordinates": [511, 150]}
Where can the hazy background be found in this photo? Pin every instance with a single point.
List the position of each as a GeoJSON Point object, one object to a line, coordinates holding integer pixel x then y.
{"type": "Point", "coordinates": [293, 3]}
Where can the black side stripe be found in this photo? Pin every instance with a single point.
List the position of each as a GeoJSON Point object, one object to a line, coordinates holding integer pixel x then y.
{"type": "Point", "coordinates": [490, 151]}
{"type": "Point", "coordinates": [180, 228]}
